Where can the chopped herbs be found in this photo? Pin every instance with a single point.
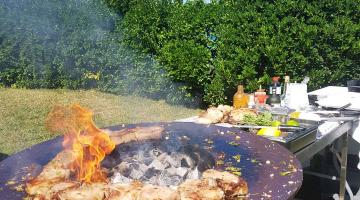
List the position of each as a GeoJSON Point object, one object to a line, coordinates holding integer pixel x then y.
{"type": "Point", "coordinates": [263, 119]}
{"type": "Point", "coordinates": [233, 143]}
{"type": "Point", "coordinates": [209, 141]}
{"type": "Point", "coordinates": [285, 173]}
{"type": "Point", "coordinates": [237, 157]}
{"type": "Point", "coordinates": [230, 132]}
{"type": "Point", "coordinates": [237, 173]}
{"type": "Point", "coordinates": [233, 169]}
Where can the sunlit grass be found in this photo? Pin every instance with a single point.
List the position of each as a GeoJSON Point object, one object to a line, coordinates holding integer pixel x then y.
{"type": "Point", "coordinates": [22, 113]}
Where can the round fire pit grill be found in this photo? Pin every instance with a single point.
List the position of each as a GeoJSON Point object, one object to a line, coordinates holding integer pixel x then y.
{"type": "Point", "coordinates": [269, 169]}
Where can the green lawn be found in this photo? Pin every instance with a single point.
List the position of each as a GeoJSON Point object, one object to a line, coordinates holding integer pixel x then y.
{"type": "Point", "coordinates": [22, 113]}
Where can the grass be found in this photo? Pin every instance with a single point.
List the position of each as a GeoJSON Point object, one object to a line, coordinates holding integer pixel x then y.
{"type": "Point", "coordinates": [22, 113]}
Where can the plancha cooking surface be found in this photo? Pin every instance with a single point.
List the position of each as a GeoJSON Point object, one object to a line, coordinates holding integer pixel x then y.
{"type": "Point", "coordinates": [270, 170]}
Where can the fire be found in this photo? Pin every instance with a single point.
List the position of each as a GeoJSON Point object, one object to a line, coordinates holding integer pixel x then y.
{"type": "Point", "coordinates": [88, 144]}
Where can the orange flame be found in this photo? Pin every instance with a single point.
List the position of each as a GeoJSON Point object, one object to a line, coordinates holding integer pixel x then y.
{"type": "Point", "coordinates": [88, 144]}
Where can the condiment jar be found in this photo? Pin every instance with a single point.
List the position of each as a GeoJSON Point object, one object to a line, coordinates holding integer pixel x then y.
{"type": "Point", "coordinates": [260, 97]}
{"type": "Point", "coordinates": [240, 99]}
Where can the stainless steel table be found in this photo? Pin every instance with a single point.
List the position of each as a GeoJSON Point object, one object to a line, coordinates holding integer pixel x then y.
{"type": "Point", "coordinates": [340, 134]}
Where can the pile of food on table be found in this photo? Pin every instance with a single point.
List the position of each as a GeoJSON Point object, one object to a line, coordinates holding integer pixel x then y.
{"type": "Point", "coordinates": [261, 112]}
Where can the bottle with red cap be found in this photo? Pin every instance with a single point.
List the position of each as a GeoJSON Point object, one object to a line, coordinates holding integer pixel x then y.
{"type": "Point", "coordinates": [275, 92]}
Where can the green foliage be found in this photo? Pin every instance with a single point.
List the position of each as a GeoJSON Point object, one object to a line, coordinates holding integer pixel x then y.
{"type": "Point", "coordinates": [76, 44]}
{"type": "Point", "coordinates": [177, 51]}
{"type": "Point", "coordinates": [213, 47]}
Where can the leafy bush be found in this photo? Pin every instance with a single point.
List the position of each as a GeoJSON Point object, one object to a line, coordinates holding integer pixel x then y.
{"type": "Point", "coordinates": [177, 51]}
{"type": "Point", "coordinates": [213, 47]}
{"type": "Point", "coordinates": [75, 44]}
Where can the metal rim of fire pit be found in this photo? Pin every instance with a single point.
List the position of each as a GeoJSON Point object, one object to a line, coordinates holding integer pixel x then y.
{"type": "Point", "coordinates": [270, 170]}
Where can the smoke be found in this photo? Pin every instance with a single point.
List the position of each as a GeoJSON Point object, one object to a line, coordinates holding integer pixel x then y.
{"type": "Point", "coordinates": [76, 44]}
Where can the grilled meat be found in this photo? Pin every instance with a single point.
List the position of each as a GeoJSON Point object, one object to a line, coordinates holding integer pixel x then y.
{"type": "Point", "coordinates": [137, 191]}
{"type": "Point", "coordinates": [53, 177]}
{"type": "Point", "coordinates": [215, 115]}
{"type": "Point", "coordinates": [92, 191]}
{"type": "Point", "coordinates": [232, 185]}
{"type": "Point", "coordinates": [200, 190]}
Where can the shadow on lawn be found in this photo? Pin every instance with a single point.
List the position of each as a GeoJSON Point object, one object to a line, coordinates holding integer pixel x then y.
{"type": "Point", "coordinates": [3, 156]}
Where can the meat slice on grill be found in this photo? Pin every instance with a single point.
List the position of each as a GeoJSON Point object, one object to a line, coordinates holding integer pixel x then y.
{"type": "Point", "coordinates": [92, 191]}
{"type": "Point", "coordinates": [125, 191]}
{"type": "Point", "coordinates": [200, 190]}
{"type": "Point", "coordinates": [138, 191]}
{"type": "Point", "coordinates": [48, 190]}
{"type": "Point", "coordinates": [52, 178]}
{"type": "Point", "coordinates": [135, 134]}
{"type": "Point", "coordinates": [153, 192]}
{"type": "Point", "coordinates": [231, 184]}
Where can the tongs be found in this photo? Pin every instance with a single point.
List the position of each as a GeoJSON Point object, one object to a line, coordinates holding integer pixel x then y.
{"type": "Point", "coordinates": [281, 127]}
{"type": "Point", "coordinates": [340, 110]}
{"type": "Point", "coordinates": [342, 117]}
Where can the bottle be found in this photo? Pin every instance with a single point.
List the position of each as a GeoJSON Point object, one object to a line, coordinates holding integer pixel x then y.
{"type": "Point", "coordinates": [240, 99]}
{"type": "Point", "coordinates": [275, 92]}
{"type": "Point", "coordinates": [284, 102]}
{"type": "Point", "coordinates": [251, 103]}
{"type": "Point", "coordinates": [260, 97]}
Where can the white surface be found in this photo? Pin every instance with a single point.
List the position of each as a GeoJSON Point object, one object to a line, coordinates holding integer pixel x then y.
{"type": "Point", "coordinates": [326, 128]}
{"type": "Point", "coordinates": [336, 97]}
{"type": "Point", "coordinates": [310, 116]}
{"type": "Point", "coordinates": [329, 90]}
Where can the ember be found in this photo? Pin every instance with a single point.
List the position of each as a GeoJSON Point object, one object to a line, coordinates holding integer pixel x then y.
{"type": "Point", "coordinates": [87, 144]}
{"type": "Point", "coordinates": [158, 165]}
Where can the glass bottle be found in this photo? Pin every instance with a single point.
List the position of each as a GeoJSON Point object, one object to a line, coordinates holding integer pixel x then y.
{"type": "Point", "coordinates": [283, 96]}
{"type": "Point", "coordinates": [260, 97]}
{"type": "Point", "coordinates": [275, 92]}
{"type": "Point", "coordinates": [240, 99]}
{"type": "Point", "coordinates": [251, 103]}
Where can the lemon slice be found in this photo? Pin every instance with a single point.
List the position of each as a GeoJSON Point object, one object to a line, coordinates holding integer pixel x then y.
{"type": "Point", "coordinates": [295, 115]}
{"type": "Point", "coordinates": [292, 123]}
{"type": "Point", "coordinates": [270, 131]}
{"type": "Point", "coordinates": [275, 123]}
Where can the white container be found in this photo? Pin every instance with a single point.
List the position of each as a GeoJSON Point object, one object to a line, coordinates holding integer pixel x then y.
{"type": "Point", "coordinates": [296, 96]}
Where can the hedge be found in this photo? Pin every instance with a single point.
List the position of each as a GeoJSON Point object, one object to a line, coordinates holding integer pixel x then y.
{"type": "Point", "coordinates": [77, 45]}
{"type": "Point", "coordinates": [214, 47]}
{"type": "Point", "coordinates": [180, 52]}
